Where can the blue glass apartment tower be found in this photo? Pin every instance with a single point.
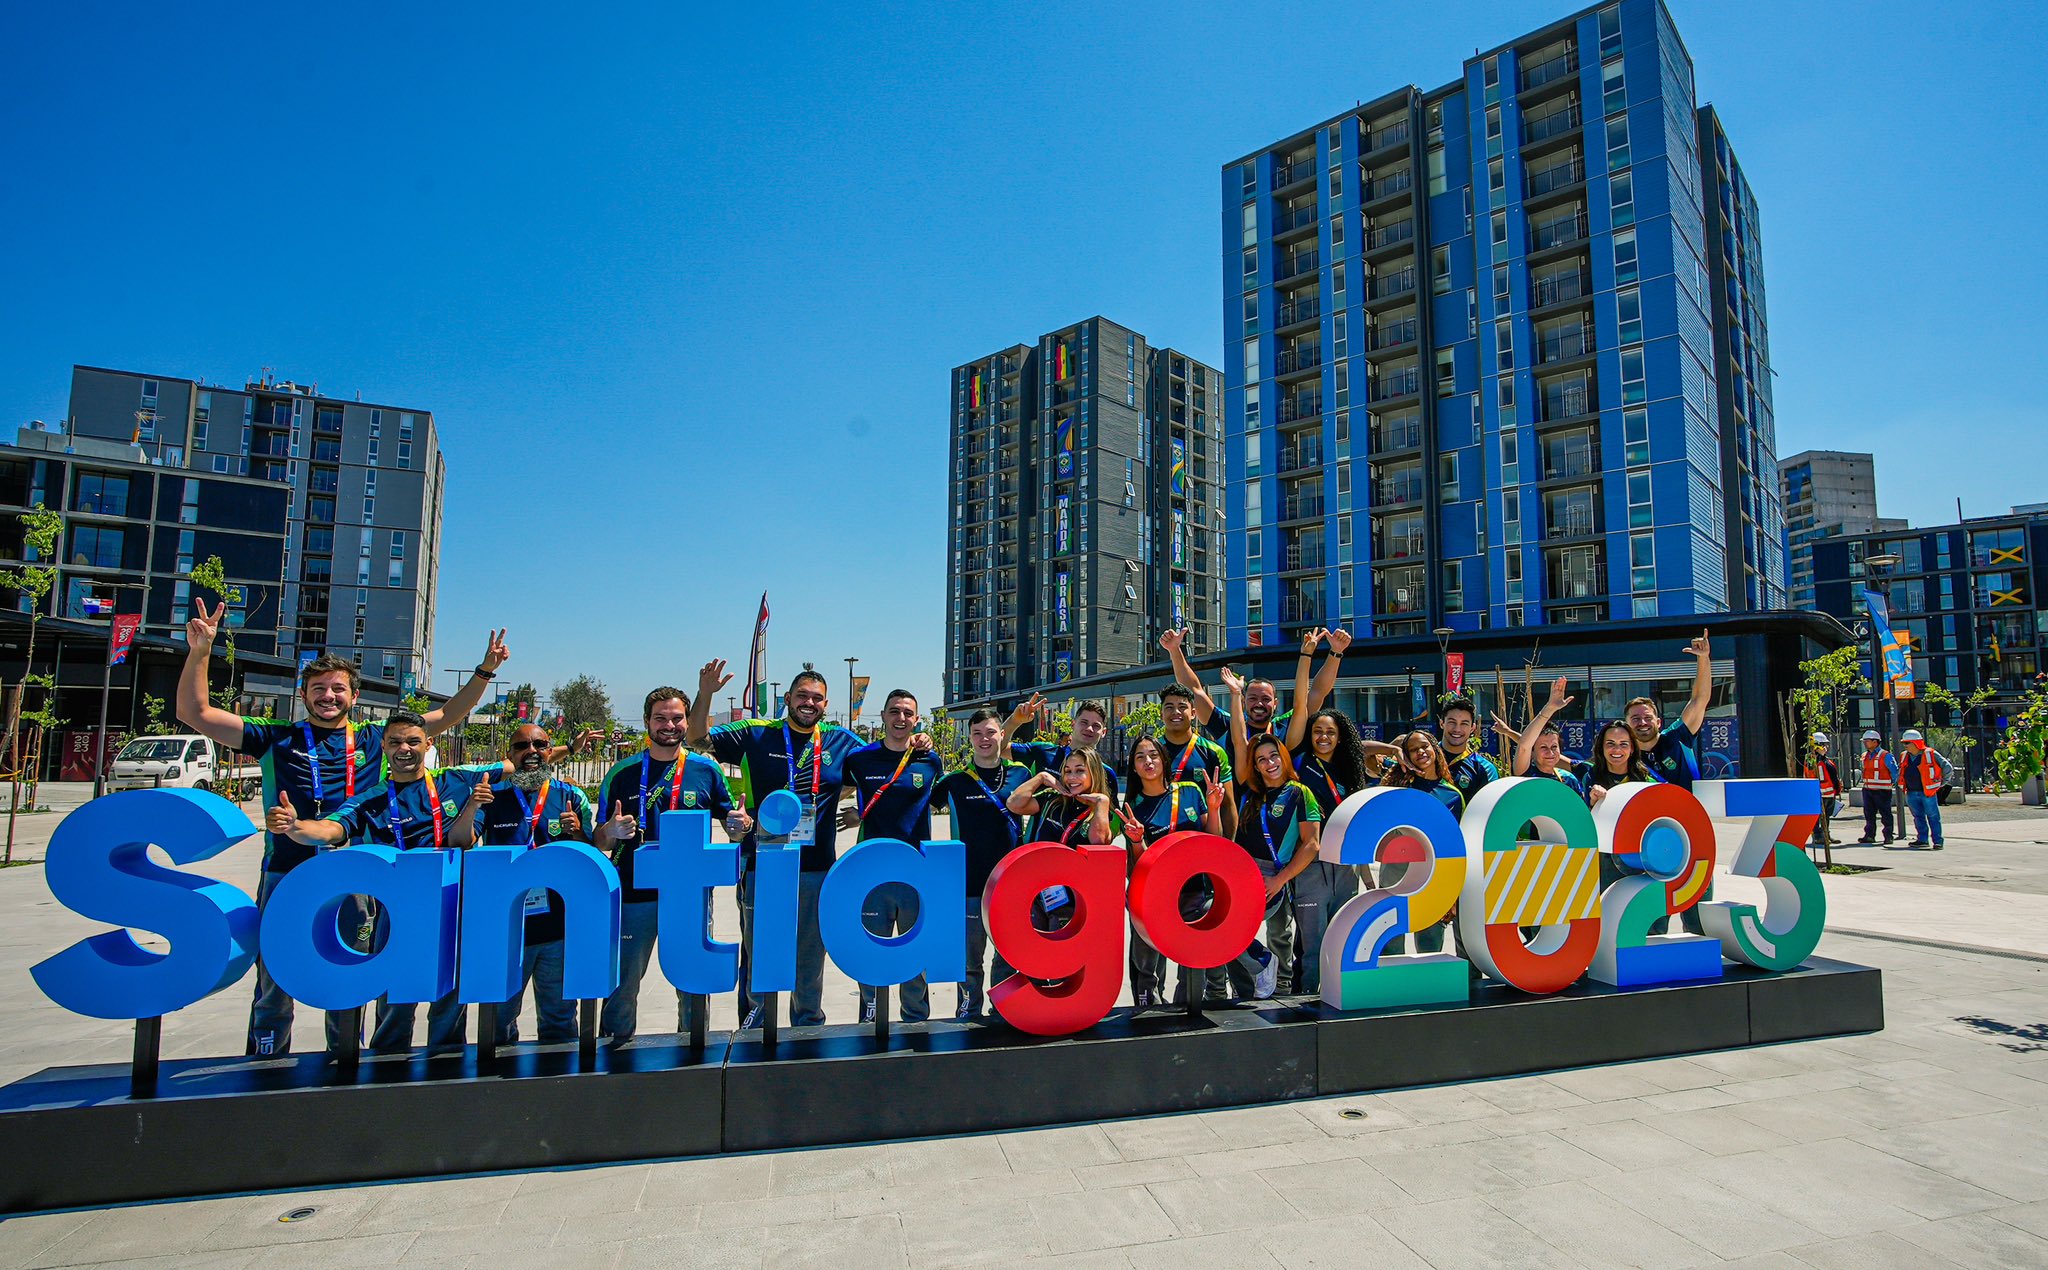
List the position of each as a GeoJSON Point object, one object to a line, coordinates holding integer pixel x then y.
{"type": "Point", "coordinates": [1496, 352]}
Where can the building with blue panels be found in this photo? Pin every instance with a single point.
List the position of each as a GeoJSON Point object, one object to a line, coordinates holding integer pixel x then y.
{"type": "Point", "coordinates": [1497, 353]}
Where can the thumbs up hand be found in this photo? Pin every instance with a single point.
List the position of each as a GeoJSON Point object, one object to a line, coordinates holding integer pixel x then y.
{"type": "Point", "coordinates": [481, 796]}
{"type": "Point", "coordinates": [281, 818]}
{"type": "Point", "coordinates": [620, 826]}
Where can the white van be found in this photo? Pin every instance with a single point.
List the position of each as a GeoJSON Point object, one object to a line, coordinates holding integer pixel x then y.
{"type": "Point", "coordinates": [184, 761]}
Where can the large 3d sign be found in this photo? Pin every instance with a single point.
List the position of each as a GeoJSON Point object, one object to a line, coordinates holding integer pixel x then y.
{"type": "Point", "coordinates": [1518, 877]}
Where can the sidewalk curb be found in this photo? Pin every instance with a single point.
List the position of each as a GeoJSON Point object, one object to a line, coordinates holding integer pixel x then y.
{"type": "Point", "coordinates": [1949, 945]}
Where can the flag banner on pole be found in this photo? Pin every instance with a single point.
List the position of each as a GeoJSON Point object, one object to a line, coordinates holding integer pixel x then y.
{"type": "Point", "coordinates": [860, 695]}
{"type": "Point", "coordinates": [96, 606]}
{"type": "Point", "coordinates": [1454, 672]}
{"type": "Point", "coordinates": [1898, 667]}
{"type": "Point", "coordinates": [121, 637]}
{"type": "Point", "coordinates": [756, 696]}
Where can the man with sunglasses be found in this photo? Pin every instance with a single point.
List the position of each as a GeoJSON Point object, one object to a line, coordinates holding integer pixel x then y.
{"type": "Point", "coordinates": [805, 754]}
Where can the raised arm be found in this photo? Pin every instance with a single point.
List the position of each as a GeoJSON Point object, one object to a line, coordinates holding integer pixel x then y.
{"type": "Point", "coordinates": [1023, 800]}
{"type": "Point", "coordinates": [1023, 714]}
{"type": "Point", "coordinates": [1695, 712]}
{"type": "Point", "coordinates": [1240, 742]}
{"type": "Point", "coordinates": [1297, 722]}
{"type": "Point", "coordinates": [1326, 678]}
{"type": "Point", "coordinates": [194, 708]}
{"type": "Point", "coordinates": [466, 698]}
{"type": "Point", "coordinates": [711, 679]}
{"type": "Point", "coordinates": [1175, 644]}
{"type": "Point", "coordinates": [1525, 746]}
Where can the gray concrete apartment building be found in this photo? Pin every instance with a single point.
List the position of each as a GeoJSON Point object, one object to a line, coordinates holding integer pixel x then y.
{"type": "Point", "coordinates": [363, 514]}
{"type": "Point", "coordinates": [1828, 494]}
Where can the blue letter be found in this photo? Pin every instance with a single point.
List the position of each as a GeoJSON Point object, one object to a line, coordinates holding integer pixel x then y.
{"type": "Point", "coordinates": [496, 881]}
{"type": "Point", "coordinates": [935, 947]}
{"type": "Point", "coordinates": [684, 866]}
{"type": "Point", "coordinates": [777, 871]}
{"type": "Point", "coordinates": [317, 963]}
{"type": "Point", "coordinates": [98, 866]}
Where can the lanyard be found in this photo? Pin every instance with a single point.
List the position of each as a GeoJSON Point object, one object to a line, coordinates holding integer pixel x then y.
{"type": "Point", "coordinates": [1266, 827]}
{"type": "Point", "coordinates": [1067, 834]}
{"type": "Point", "coordinates": [1015, 823]}
{"type": "Point", "coordinates": [901, 763]}
{"type": "Point", "coordinates": [532, 812]}
{"type": "Point", "coordinates": [433, 802]}
{"type": "Point", "coordinates": [675, 783]}
{"type": "Point", "coordinates": [348, 771]}
{"type": "Point", "coordinates": [1181, 764]}
{"type": "Point", "coordinates": [817, 759]}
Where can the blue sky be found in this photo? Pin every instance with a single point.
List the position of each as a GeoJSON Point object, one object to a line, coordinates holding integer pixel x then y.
{"type": "Point", "coordinates": [682, 289]}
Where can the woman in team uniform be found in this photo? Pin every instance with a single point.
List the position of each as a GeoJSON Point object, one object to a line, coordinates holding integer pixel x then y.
{"type": "Point", "coordinates": [1333, 769]}
{"type": "Point", "coordinates": [1423, 766]}
{"type": "Point", "coordinates": [1539, 747]}
{"type": "Point", "coordinates": [1071, 808]}
{"type": "Point", "coordinates": [1155, 808]}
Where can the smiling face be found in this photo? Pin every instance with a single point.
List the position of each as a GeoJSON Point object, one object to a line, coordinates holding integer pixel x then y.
{"type": "Point", "coordinates": [987, 739]}
{"type": "Point", "coordinates": [1617, 747]}
{"type": "Point", "coordinates": [1644, 723]}
{"type": "Point", "coordinates": [1549, 753]}
{"type": "Point", "coordinates": [1176, 713]}
{"type": "Point", "coordinates": [529, 748]}
{"type": "Point", "coordinates": [1322, 737]}
{"type": "Point", "coordinates": [329, 698]}
{"type": "Point", "coordinates": [405, 745]}
{"type": "Point", "coordinates": [1418, 755]}
{"type": "Point", "coordinates": [1074, 774]}
{"type": "Point", "coordinates": [667, 721]}
{"type": "Point", "coordinates": [1272, 771]}
{"type": "Point", "coordinates": [1457, 727]}
{"type": "Point", "coordinates": [1088, 729]}
{"type": "Point", "coordinates": [899, 719]}
{"type": "Point", "coordinates": [1260, 701]}
{"type": "Point", "coordinates": [806, 703]}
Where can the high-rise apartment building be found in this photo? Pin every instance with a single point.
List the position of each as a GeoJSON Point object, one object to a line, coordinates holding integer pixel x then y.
{"type": "Point", "coordinates": [1827, 494]}
{"type": "Point", "coordinates": [1086, 482]}
{"type": "Point", "coordinates": [363, 509]}
{"type": "Point", "coordinates": [1498, 353]}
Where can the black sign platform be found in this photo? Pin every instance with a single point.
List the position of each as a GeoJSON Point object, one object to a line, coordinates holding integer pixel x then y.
{"type": "Point", "coordinates": [78, 1137]}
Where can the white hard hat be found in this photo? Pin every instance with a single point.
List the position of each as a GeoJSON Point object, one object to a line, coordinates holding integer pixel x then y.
{"type": "Point", "coordinates": [1820, 738]}
{"type": "Point", "coordinates": [1911, 734]}
{"type": "Point", "coordinates": [1870, 734]}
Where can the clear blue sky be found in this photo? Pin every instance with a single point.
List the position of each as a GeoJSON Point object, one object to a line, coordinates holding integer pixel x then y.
{"type": "Point", "coordinates": [683, 288]}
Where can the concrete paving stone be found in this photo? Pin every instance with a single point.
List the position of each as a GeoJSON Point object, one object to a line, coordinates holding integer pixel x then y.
{"type": "Point", "coordinates": [2032, 1218]}
{"type": "Point", "coordinates": [23, 1238]}
{"type": "Point", "coordinates": [1911, 1186]}
{"type": "Point", "coordinates": [831, 1169]}
{"type": "Point", "coordinates": [1908, 1069]}
{"type": "Point", "coordinates": [1420, 1137]}
{"type": "Point", "coordinates": [1335, 1242]}
{"type": "Point", "coordinates": [1896, 1103]}
{"type": "Point", "coordinates": [1440, 1104]}
{"type": "Point", "coordinates": [1261, 1126]}
{"type": "Point", "coordinates": [1766, 1261]}
{"type": "Point", "coordinates": [1210, 1205]}
{"type": "Point", "coordinates": [1630, 1145]}
{"type": "Point", "coordinates": [1802, 1082]}
{"type": "Point", "coordinates": [1063, 1148]}
{"type": "Point", "coordinates": [1134, 1173]}
{"type": "Point", "coordinates": [986, 1234]}
{"type": "Point", "coordinates": [1879, 1250]}
{"type": "Point", "coordinates": [1584, 1113]}
{"type": "Point", "coordinates": [505, 1239]}
{"type": "Point", "coordinates": [698, 1250]}
{"type": "Point", "coordinates": [1677, 1073]}
{"type": "Point", "coordinates": [858, 1243]}
{"type": "Point", "coordinates": [1244, 1160]}
{"type": "Point", "coordinates": [1837, 1206]}
{"type": "Point", "coordinates": [1717, 1219]}
{"type": "Point", "coordinates": [1162, 1136]}
{"type": "Point", "coordinates": [711, 1180]}
{"type": "Point", "coordinates": [1451, 1172]}
{"type": "Point", "coordinates": [1086, 1221]}
{"type": "Point", "coordinates": [1535, 1159]}
{"type": "Point", "coordinates": [1470, 1235]}
{"type": "Point", "coordinates": [947, 1160]}
{"type": "Point", "coordinates": [776, 1210]}
{"type": "Point", "coordinates": [2006, 1153]}
{"type": "Point", "coordinates": [1689, 1099]}
{"type": "Point", "coordinates": [454, 1201]}
{"type": "Point", "coordinates": [1588, 1226]}
{"type": "Point", "coordinates": [1979, 1239]}
{"type": "Point", "coordinates": [579, 1192]}
{"type": "Point", "coordinates": [1716, 1130]}
{"type": "Point", "coordinates": [1328, 1188]}
{"type": "Point", "coordinates": [558, 1257]}
{"type": "Point", "coordinates": [956, 1196]}
{"type": "Point", "coordinates": [1101, 1259]}
{"type": "Point", "coordinates": [1762, 1063]}
{"type": "Point", "coordinates": [1603, 1084]}
{"type": "Point", "coordinates": [1228, 1251]}
{"type": "Point", "coordinates": [1802, 1117]}
{"type": "Point", "coordinates": [237, 1259]}
{"type": "Point", "coordinates": [141, 1230]}
{"type": "Point", "coordinates": [618, 1228]}
{"type": "Point", "coordinates": [1527, 1093]}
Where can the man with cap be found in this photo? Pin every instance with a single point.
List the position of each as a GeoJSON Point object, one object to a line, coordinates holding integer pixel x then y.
{"type": "Point", "coordinates": [1922, 775]}
{"type": "Point", "coordinates": [1880, 776]}
{"type": "Point", "coordinates": [1819, 767]}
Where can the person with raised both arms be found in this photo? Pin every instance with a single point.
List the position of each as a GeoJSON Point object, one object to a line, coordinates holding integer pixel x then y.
{"type": "Point", "coordinates": [1090, 725]}
{"type": "Point", "coordinates": [1261, 708]}
{"type": "Point", "coordinates": [638, 789]}
{"type": "Point", "coordinates": [1278, 824]}
{"type": "Point", "coordinates": [413, 810]}
{"type": "Point", "coordinates": [1189, 754]}
{"type": "Point", "coordinates": [1332, 766]}
{"type": "Point", "coordinates": [321, 763]}
{"type": "Point", "coordinates": [1422, 767]}
{"type": "Point", "coordinates": [893, 783]}
{"type": "Point", "coordinates": [805, 753]}
{"type": "Point", "coordinates": [1539, 746]}
{"type": "Point", "coordinates": [1156, 808]}
{"type": "Point", "coordinates": [977, 800]}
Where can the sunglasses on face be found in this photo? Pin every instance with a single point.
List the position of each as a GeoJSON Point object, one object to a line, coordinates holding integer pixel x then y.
{"type": "Point", "coordinates": [541, 743]}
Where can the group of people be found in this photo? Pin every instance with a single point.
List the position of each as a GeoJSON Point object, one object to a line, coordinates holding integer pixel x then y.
{"type": "Point", "coordinates": [1919, 772]}
{"type": "Point", "coordinates": [1248, 771]}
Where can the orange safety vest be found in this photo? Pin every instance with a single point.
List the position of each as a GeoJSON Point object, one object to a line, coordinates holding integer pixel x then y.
{"type": "Point", "coordinates": [1826, 777]}
{"type": "Point", "coordinates": [1930, 771]}
{"type": "Point", "coordinates": [1878, 770]}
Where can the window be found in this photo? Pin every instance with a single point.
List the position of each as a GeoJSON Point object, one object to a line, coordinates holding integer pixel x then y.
{"type": "Point", "coordinates": [369, 510]}
{"type": "Point", "coordinates": [1639, 513]}
{"type": "Point", "coordinates": [1624, 257]}
{"type": "Point", "coordinates": [397, 573]}
{"type": "Point", "coordinates": [405, 454]}
{"type": "Point", "coordinates": [1510, 458]}
{"type": "Point", "coordinates": [1447, 477]}
{"type": "Point", "coordinates": [1628, 311]}
{"type": "Point", "coordinates": [1617, 143]}
{"type": "Point", "coordinates": [1250, 221]}
{"type": "Point", "coordinates": [1501, 292]}
{"type": "Point", "coordinates": [1493, 126]}
{"type": "Point", "coordinates": [1610, 32]}
{"type": "Point", "coordinates": [101, 494]}
{"type": "Point", "coordinates": [96, 546]}
{"type": "Point", "coordinates": [1642, 562]}
{"type": "Point", "coordinates": [1446, 372]}
{"type": "Point", "coordinates": [1337, 232]}
{"type": "Point", "coordinates": [1254, 548]}
{"type": "Point", "coordinates": [1454, 585]}
{"type": "Point", "coordinates": [1622, 197]}
{"type": "Point", "coordinates": [220, 463]}
{"type": "Point", "coordinates": [1500, 233]}
{"type": "Point", "coordinates": [1503, 347]}
{"type": "Point", "coordinates": [1613, 92]}
{"type": "Point", "coordinates": [1440, 270]}
{"type": "Point", "coordinates": [1337, 283]}
{"type": "Point", "coordinates": [1635, 435]}
{"type": "Point", "coordinates": [1511, 517]}
{"type": "Point", "coordinates": [1251, 314]}
{"type": "Point", "coordinates": [1251, 408]}
{"type": "Point", "coordinates": [1496, 175]}
{"type": "Point", "coordinates": [1254, 508]}
{"type": "Point", "coordinates": [1632, 390]}
{"type": "Point", "coordinates": [398, 544]}
{"type": "Point", "coordinates": [1511, 571]}
{"type": "Point", "coordinates": [1438, 180]}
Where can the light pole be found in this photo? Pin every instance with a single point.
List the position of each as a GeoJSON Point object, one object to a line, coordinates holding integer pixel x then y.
{"type": "Point", "coordinates": [1443, 647]}
{"type": "Point", "coordinates": [774, 693]}
{"type": "Point", "coordinates": [1881, 566]}
{"type": "Point", "coordinates": [99, 760]}
{"type": "Point", "coordinates": [849, 692]}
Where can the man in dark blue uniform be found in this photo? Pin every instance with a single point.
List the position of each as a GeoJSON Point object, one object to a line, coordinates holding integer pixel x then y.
{"type": "Point", "coordinates": [977, 798]}
{"type": "Point", "coordinates": [893, 784]}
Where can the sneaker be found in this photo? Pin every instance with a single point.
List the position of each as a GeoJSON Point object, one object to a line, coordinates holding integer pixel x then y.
{"type": "Point", "coordinates": [753, 1019]}
{"type": "Point", "coordinates": [1867, 842]}
{"type": "Point", "coordinates": [1937, 846]}
{"type": "Point", "coordinates": [1917, 842]}
{"type": "Point", "coordinates": [867, 1010]}
{"type": "Point", "coordinates": [965, 1011]}
{"type": "Point", "coordinates": [1141, 999]}
{"type": "Point", "coordinates": [1269, 974]}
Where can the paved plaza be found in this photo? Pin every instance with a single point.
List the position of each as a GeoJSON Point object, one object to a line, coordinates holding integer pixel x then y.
{"type": "Point", "coordinates": [1925, 1144]}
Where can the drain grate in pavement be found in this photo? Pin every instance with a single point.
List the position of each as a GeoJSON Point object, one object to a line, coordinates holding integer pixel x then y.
{"type": "Point", "coordinates": [1351, 1113]}
{"type": "Point", "coordinates": [297, 1214]}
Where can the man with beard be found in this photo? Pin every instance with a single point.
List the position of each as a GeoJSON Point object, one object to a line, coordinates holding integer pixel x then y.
{"type": "Point", "coordinates": [321, 763]}
{"type": "Point", "coordinates": [1672, 753]}
{"type": "Point", "coordinates": [893, 783]}
{"type": "Point", "coordinates": [1457, 723]}
{"type": "Point", "coordinates": [1091, 724]}
{"type": "Point", "coordinates": [1262, 713]}
{"type": "Point", "coordinates": [805, 754]}
{"type": "Point", "coordinates": [414, 810]}
{"type": "Point", "coordinates": [977, 798]}
{"type": "Point", "coordinates": [663, 777]}
{"type": "Point", "coordinates": [538, 806]}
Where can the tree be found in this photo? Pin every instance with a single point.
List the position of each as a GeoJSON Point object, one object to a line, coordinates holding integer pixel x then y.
{"type": "Point", "coordinates": [948, 739]}
{"type": "Point", "coordinates": [211, 575]}
{"type": "Point", "coordinates": [154, 723]}
{"type": "Point", "coordinates": [583, 703]}
{"type": "Point", "coordinates": [34, 578]}
{"type": "Point", "coordinates": [1141, 723]}
{"type": "Point", "coordinates": [1828, 683]}
{"type": "Point", "coordinates": [2022, 752]}
{"type": "Point", "coordinates": [1955, 740]}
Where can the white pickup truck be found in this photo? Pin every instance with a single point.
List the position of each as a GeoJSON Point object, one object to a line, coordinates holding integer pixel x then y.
{"type": "Point", "coordinates": [184, 761]}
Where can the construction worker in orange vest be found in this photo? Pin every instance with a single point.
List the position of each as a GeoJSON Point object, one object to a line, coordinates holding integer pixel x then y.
{"type": "Point", "coordinates": [1922, 775]}
{"type": "Point", "coordinates": [1880, 777]}
{"type": "Point", "coordinates": [1819, 767]}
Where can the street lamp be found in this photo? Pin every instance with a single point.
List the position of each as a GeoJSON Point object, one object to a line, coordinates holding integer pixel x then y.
{"type": "Point", "coordinates": [849, 691]}
{"type": "Point", "coordinates": [1443, 646]}
{"type": "Point", "coordinates": [99, 762]}
{"type": "Point", "coordinates": [1881, 566]}
{"type": "Point", "coordinates": [774, 692]}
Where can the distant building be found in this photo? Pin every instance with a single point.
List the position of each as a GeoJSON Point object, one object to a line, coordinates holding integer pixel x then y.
{"type": "Point", "coordinates": [1086, 487]}
{"type": "Point", "coordinates": [1827, 494]}
{"type": "Point", "coordinates": [362, 487]}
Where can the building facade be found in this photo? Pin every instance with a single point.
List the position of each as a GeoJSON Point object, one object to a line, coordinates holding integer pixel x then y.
{"type": "Point", "coordinates": [1966, 597]}
{"type": "Point", "coordinates": [1086, 479]}
{"type": "Point", "coordinates": [1498, 353]}
{"type": "Point", "coordinates": [362, 484]}
{"type": "Point", "coordinates": [1827, 494]}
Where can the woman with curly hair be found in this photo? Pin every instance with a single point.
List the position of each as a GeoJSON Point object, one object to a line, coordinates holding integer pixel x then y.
{"type": "Point", "coordinates": [1333, 767]}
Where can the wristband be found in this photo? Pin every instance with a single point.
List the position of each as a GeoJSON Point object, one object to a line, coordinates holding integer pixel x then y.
{"type": "Point", "coordinates": [481, 673]}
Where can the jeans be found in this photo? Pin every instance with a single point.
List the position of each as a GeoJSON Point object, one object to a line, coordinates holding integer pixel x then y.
{"type": "Point", "coordinates": [807, 1002]}
{"type": "Point", "coordinates": [973, 999]}
{"type": "Point", "coordinates": [1280, 936]}
{"type": "Point", "coordinates": [1877, 803]}
{"type": "Point", "coordinates": [892, 910]}
{"type": "Point", "coordinates": [447, 1018]}
{"type": "Point", "coordinates": [638, 929]}
{"type": "Point", "coordinates": [541, 967]}
{"type": "Point", "coordinates": [270, 1015]}
{"type": "Point", "coordinates": [1253, 958]}
{"type": "Point", "coordinates": [1926, 809]}
{"type": "Point", "coordinates": [1319, 891]}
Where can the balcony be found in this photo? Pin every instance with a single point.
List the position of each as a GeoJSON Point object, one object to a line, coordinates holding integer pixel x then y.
{"type": "Point", "coordinates": [1299, 263]}
{"type": "Point", "coordinates": [1294, 313]}
{"type": "Point", "coordinates": [1558, 176]}
{"type": "Point", "coordinates": [1301, 557]}
{"type": "Point", "coordinates": [1388, 286]}
{"type": "Point", "coordinates": [1571, 514]}
{"type": "Point", "coordinates": [1303, 608]}
{"type": "Point", "coordinates": [1569, 456]}
{"type": "Point", "coordinates": [1541, 128]}
{"type": "Point", "coordinates": [1404, 383]}
{"type": "Point", "coordinates": [1405, 490]}
{"type": "Point", "coordinates": [1384, 137]}
{"type": "Point", "coordinates": [1550, 71]}
{"type": "Point", "coordinates": [1302, 507]}
{"type": "Point", "coordinates": [1559, 288]}
{"type": "Point", "coordinates": [1569, 399]}
{"type": "Point", "coordinates": [1287, 221]}
{"type": "Point", "coordinates": [1403, 435]}
{"type": "Point", "coordinates": [1400, 591]}
{"type": "Point", "coordinates": [1302, 456]}
{"type": "Point", "coordinates": [1401, 546]}
{"type": "Point", "coordinates": [1388, 186]}
{"type": "Point", "coordinates": [1564, 346]}
{"type": "Point", "coordinates": [1388, 236]}
{"type": "Point", "coordinates": [1293, 361]}
{"type": "Point", "coordinates": [1393, 335]}
{"type": "Point", "coordinates": [1286, 174]}
{"type": "Point", "coordinates": [1565, 231]}
{"type": "Point", "coordinates": [1574, 573]}
{"type": "Point", "coordinates": [1308, 405]}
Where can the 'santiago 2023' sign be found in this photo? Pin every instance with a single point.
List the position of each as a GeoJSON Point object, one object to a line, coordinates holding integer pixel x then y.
{"type": "Point", "coordinates": [1525, 855]}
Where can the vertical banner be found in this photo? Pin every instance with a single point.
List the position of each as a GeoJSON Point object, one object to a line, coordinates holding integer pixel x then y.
{"type": "Point", "coordinates": [756, 697]}
{"type": "Point", "coordinates": [121, 637]}
{"type": "Point", "coordinates": [1063, 434]}
{"type": "Point", "coordinates": [1179, 473]}
{"type": "Point", "coordinates": [1454, 672]}
{"type": "Point", "coordinates": [1060, 602]}
{"type": "Point", "coordinates": [860, 695]}
{"type": "Point", "coordinates": [1180, 534]}
{"type": "Point", "coordinates": [1063, 539]}
{"type": "Point", "coordinates": [1898, 667]}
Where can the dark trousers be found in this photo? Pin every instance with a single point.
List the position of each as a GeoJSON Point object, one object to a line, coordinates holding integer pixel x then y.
{"type": "Point", "coordinates": [1877, 804]}
{"type": "Point", "coordinates": [1148, 964]}
{"type": "Point", "coordinates": [973, 994]}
